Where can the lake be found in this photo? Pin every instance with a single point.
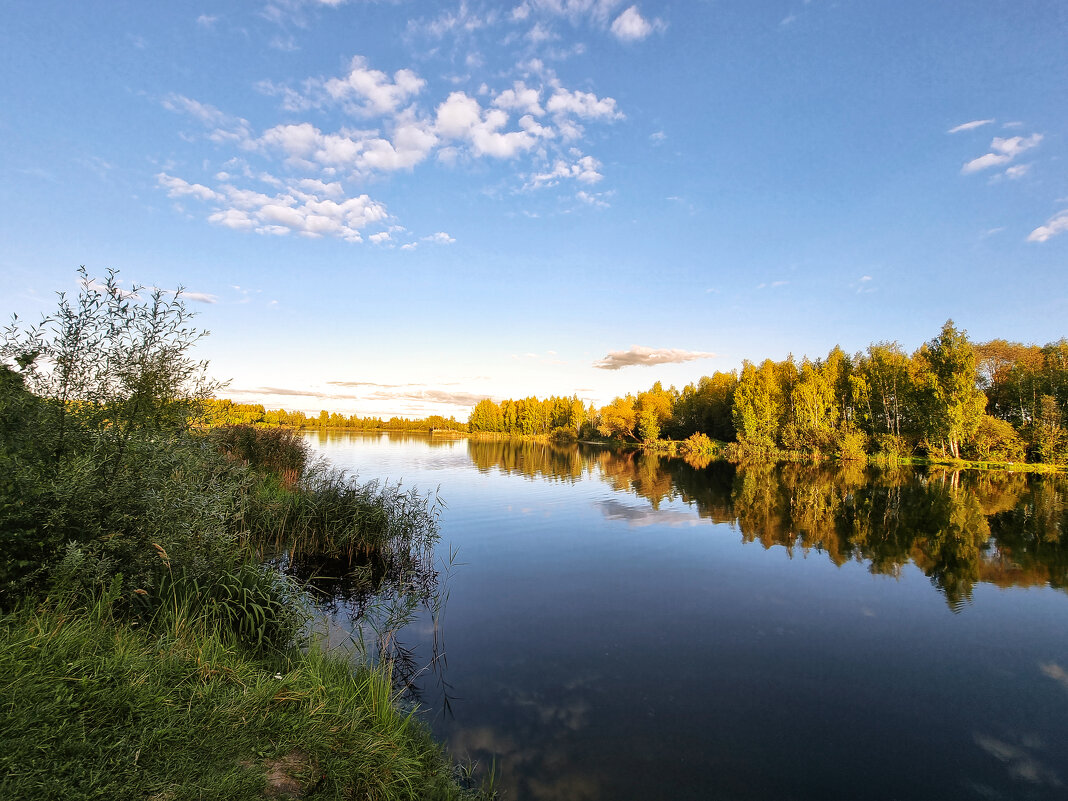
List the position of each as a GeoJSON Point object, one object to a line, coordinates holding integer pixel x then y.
{"type": "Point", "coordinates": [628, 626]}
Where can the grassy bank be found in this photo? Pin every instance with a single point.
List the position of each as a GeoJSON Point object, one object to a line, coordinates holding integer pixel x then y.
{"type": "Point", "coordinates": [151, 641]}
{"type": "Point", "coordinates": [94, 707]}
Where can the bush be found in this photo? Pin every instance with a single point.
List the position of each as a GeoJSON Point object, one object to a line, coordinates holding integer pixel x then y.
{"type": "Point", "coordinates": [995, 440]}
{"type": "Point", "coordinates": [563, 435]}
{"type": "Point", "coordinates": [852, 446]}
{"type": "Point", "coordinates": [699, 443]}
{"type": "Point", "coordinates": [891, 446]}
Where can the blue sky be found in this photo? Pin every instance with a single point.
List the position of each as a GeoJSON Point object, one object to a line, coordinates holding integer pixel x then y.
{"type": "Point", "coordinates": [401, 207]}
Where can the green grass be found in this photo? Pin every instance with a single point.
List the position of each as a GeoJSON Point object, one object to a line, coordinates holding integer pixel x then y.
{"type": "Point", "coordinates": [95, 708]}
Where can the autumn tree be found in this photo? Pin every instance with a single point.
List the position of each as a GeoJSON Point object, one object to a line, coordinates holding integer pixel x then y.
{"type": "Point", "coordinates": [619, 418]}
{"type": "Point", "coordinates": [758, 405]}
{"type": "Point", "coordinates": [954, 403]}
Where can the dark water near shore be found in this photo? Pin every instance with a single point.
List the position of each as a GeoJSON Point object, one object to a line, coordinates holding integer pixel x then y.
{"type": "Point", "coordinates": [635, 627]}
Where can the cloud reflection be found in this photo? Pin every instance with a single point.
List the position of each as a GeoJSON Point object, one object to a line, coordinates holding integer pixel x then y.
{"type": "Point", "coordinates": [639, 516]}
{"type": "Point", "coordinates": [1020, 763]}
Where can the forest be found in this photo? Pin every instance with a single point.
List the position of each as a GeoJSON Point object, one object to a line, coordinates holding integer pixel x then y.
{"type": "Point", "coordinates": [221, 412]}
{"type": "Point", "coordinates": [997, 401]}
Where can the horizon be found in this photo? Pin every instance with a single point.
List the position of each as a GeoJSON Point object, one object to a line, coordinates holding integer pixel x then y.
{"type": "Point", "coordinates": [402, 213]}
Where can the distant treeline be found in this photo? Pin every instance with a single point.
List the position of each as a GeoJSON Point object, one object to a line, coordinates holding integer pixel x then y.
{"type": "Point", "coordinates": [951, 398]}
{"type": "Point", "coordinates": [221, 412]}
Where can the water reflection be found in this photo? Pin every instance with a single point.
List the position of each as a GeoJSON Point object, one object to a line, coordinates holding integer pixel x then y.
{"type": "Point", "coordinates": [960, 528]}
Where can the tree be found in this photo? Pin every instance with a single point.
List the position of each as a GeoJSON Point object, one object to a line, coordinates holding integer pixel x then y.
{"type": "Point", "coordinates": [618, 418]}
{"type": "Point", "coordinates": [758, 405]}
{"type": "Point", "coordinates": [114, 361]}
{"type": "Point", "coordinates": [954, 401]}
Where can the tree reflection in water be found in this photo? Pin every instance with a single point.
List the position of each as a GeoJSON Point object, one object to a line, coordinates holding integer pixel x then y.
{"type": "Point", "coordinates": [959, 527]}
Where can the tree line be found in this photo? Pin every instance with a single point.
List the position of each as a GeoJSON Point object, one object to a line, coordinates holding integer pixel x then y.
{"type": "Point", "coordinates": [951, 398]}
{"type": "Point", "coordinates": [217, 412]}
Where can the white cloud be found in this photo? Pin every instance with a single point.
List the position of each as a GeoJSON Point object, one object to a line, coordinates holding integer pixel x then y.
{"type": "Point", "coordinates": [1015, 145]}
{"type": "Point", "coordinates": [207, 21]}
{"type": "Point", "coordinates": [293, 210]}
{"type": "Point", "coordinates": [459, 21]}
{"type": "Point", "coordinates": [1017, 171]}
{"type": "Point", "coordinates": [1004, 151]}
{"type": "Point", "coordinates": [638, 355]}
{"type": "Point", "coordinates": [599, 11]}
{"type": "Point", "coordinates": [631, 26]}
{"type": "Point", "coordinates": [520, 98]}
{"type": "Point", "coordinates": [200, 297]}
{"type": "Point", "coordinates": [968, 126]}
{"type": "Point", "coordinates": [584, 169]}
{"type": "Point", "coordinates": [367, 91]}
{"type": "Point", "coordinates": [1057, 224]}
{"type": "Point", "coordinates": [225, 127]}
{"type": "Point", "coordinates": [176, 187]}
{"type": "Point", "coordinates": [583, 104]}
{"type": "Point", "coordinates": [536, 119]}
{"type": "Point", "coordinates": [461, 117]}
{"type": "Point", "coordinates": [593, 199]}
{"type": "Point", "coordinates": [357, 151]}
{"type": "Point", "coordinates": [440, 238]}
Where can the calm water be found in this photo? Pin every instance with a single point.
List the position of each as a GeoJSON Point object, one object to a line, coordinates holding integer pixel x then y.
{"type": "Point", "coordinates": [629, 627]}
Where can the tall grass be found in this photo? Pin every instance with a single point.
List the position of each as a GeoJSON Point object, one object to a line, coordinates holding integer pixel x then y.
{"type": "Point", "coordinates": [92, 707]}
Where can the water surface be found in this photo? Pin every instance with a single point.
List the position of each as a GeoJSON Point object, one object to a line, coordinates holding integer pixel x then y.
{"type": "Point", "coordinates": [634, 627]}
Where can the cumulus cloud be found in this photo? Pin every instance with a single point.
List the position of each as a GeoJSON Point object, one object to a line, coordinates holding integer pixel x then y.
{"type": "Point", "coordinates": [1057, 224]}
{"type": "Point", "coordinates": [583, 104]}
{"type": "Point", "coordinates": [368, 91]}
{"type": "Point", "coordinates": [584, 170]}
{"type": "Point", "coordinates": [177, 187]}
{"type": "Point", "coordinates": [292, 210]}
{"type": "Point", "coordinates": [639, 355]}
{"type": "Point", "coordinates": [537, 120]}
{"type": "Point", "coordinates": [1002, 152]}
{"type": "Point", "coordinates": [461, 117]}
{"type": "Point", "coordinates": [631, 26]}
{"type": "Point", "coordinates": [305, 146]}
{"type": "Point", "coordinates": [969, 126]}
{"type": "Point", "coordinates": [520, 98]}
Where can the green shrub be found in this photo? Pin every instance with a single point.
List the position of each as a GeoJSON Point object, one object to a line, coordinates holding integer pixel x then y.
{"type": "Point", "coordinates": [995, 440]}
{"type": "Point", "coordinates": [699, 443]}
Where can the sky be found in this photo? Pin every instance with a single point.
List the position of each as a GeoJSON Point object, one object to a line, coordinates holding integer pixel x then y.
{"type": "Point", "coordinates": [400, 208]}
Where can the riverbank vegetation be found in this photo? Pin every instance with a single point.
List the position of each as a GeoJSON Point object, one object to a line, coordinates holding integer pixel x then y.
{"type": "Point", "coordinates": [215, 412]}
{"type": "Point", "coordinates": [153, 640]}
{"type": "Point", "coordinates": [994, 402]}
